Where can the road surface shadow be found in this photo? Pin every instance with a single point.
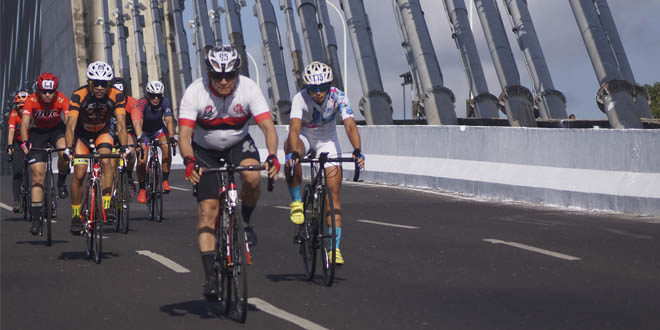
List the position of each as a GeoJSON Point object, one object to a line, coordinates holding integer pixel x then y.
{"type": "Point", "coordinates": [16, 219]}
{"type": "Point", "coordinates": [203, 309]}
{"type": "Point", "coordinates": [41, 242]}
{"type": "Point", "coordinates": [82, 255]}
{"type": "Point", "coordinates": [299, 277]}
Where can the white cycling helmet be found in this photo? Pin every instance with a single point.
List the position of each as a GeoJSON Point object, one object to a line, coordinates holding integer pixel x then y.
{"type": "Point", "coordinates": [155, 87]}
{"type": "Point", "coordinates": [99, 71]}
{"type": "Point", "coordinates": [317, 73]}
{"type": "Point", "coordinates": [223, 59]}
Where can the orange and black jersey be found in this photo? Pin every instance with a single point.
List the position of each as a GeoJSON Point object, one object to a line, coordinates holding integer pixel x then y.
{"type": "Point", "coordinates": [95, 114]}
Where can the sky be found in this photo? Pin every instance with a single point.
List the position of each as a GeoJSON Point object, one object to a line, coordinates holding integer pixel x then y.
{"type": "Point", "coordinates": [564, 50]}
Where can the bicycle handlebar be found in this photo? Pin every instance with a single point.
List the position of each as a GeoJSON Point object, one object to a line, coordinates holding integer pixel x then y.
{"type": "Point", "coordinates": [232, 169]}
{"type": "Point", "coordinates": [99, 156]}
{"type": "Point", "coordinates": [49, 150]}
{"type": "Point", "coordinates": [325, 159]}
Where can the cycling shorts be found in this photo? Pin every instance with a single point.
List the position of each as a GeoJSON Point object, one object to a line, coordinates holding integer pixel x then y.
{"type": "Point", "coordinates": [83, 139]}
{"type": "Point", "coordinates": [209, 184]}
{"type": "Point", "coordinates": [321, 145]}
{"type": "Point", "coordinates": [40, 138]}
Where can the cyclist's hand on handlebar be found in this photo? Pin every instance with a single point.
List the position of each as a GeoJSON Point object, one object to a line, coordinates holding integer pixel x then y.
{"type": "Point", "coordinates": [67, 153]}
{"type": "Point", "coordinates": [292, 159]}
{"type": "Point", "coordinates": [124, 151]}
{"type": "Point", "coordinates": [359, 157]}
{"type": "Point", "coordinates": [26, 147]}
{"type": "Point", "coordinates": [10, 150]}
{"type": "Point", "coordinates": [140, 140]}
{"type": "Point", "coordinates": [273, 166]}
{"type": "Point", "coordinates": [192, 175]}
{"type": "Point", "coordinates": [172, 141]}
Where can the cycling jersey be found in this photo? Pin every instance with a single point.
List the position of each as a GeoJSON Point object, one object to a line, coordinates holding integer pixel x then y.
{"type": "Point", "coordinates": [152, 116]}
{"type": "Point", "coordinates": [46, 116]}
{"type": "Point", "coordinates": [93, 114]}
{"type": "Point", "coordinates": [15, 123]}
{"type": "Point", "coordinates": [131, 113]}
{"type": "Point", "coordinates": [221, 122]}
{"type": "Point", "coordinates": [318, 121]}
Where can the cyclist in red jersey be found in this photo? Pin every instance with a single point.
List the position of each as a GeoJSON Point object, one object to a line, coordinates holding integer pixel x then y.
{"type": "Point", "coordinates": [14, 141]}
{"type": "Point", "coordinates": [45, 109]}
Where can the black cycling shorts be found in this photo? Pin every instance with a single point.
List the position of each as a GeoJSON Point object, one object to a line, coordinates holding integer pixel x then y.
{"type": "Point", "coordinates": [40, 138]}
{"type": "Point", "coordinates": [209, 184]}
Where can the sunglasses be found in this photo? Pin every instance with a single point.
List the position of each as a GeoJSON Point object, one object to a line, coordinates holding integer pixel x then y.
{"type": "Point", "coordinates": [318, 88]}
{"type": "Point", "coordinates": [153, 96]}
{"type": "Point", "coordinates": [223, 75]}
{"type": "Point", "coordinates": [47, 91]}
{"type": "Point", "coordinates": [99, 83]}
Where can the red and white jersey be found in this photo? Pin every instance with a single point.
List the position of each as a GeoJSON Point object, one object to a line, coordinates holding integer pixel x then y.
{"type": "Point", "coordinates": [46, 116]}
{"type": "Point", "coordinates": [220, 122]}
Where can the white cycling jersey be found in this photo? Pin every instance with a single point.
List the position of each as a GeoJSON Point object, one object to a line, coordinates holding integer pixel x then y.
{"type": "Point", "coordinates": [220, 122]}
{"type": "Point", "coordinates": [318, 121]}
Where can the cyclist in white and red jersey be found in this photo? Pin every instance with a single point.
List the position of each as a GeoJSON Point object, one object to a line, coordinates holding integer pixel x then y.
{"type": "Point", "coordinates": [312, 127]}
{"type": "Point", "coordinates": [213, 124]}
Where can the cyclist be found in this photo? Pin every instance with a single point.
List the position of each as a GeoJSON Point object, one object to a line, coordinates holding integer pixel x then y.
{"type": "Point", "coordinates": [154, 109]}
{"type": "Point", "coordinates": [312, 127]}
{"type": "Point", "coordinates": [14, 141]}
{"type": "Point", "coordinates": [131, 115]}
{"type": "Point", "coordinates": [46, 108]}
{"type": "Point", "coordinates": [216, 108]}
{"type": "Point", "coordinates": [91, 109]}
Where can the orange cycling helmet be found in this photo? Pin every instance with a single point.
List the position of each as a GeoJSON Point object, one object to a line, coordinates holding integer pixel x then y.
{"type": "Point", "coordinates": [47, 81]}
{"type": "Point", "coordinates": [21, 97]}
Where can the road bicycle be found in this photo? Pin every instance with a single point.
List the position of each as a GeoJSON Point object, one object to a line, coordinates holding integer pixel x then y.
{"type": "Point", "coordinates": [49, 208]}
{"type": "Point", "coordinates": [154, 182]}
{"type": "Point", "coordinates": [232, 253]}
{"type": "Point", "coordinates": [318, 231]}
{"type": "Point", "coordinates": [121, 199]}
{"type": "Point", "coordinates": [92, 214]}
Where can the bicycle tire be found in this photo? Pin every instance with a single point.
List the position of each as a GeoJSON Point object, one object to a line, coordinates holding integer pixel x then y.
{"type": "Point", "coordinates": [222, 270]}
{"type": "Point", "coordinates": [239, 267]}
{"type": "Point", "coordinates": [148, 189]}
{"type": "Point", "coordinates": [307, 235]}
{"type": "Point", "coordinates": [327, 236]}
{"type": "Point", "coordinates": [47, 202]}
{"type": "Point", "coordinates": [158, 194]}
{"type": "Point", "coordinates": [124, 204]}
{"type": "Point", "coordinates": [98, 224]}
{"type": "Point", "coordinates": [86, 214]}
{"type": "Point", "coordinates": [27, 195]}
{"type": "Point", "coordinates": [115, 201]}
{"type": "Point", "coordinates": [53, 195]}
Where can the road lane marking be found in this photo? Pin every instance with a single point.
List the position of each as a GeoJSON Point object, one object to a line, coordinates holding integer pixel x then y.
{"type": "Point", "coordinates": [177, 188]}
{"type": "Point", "coordinates": [5, 206]}
{"type": "Point", "coordinates": [625, 233]}
{"type": "Point", "coordinates": [272, 310]}
{"type": "Point", "coordinates": [282, 207]}
{"type": "Point", "coordinates": [164, 260]}
{"type": "Point", "coordinates": [388, 224]}
{"type": "Point", "coordinates": [533, 249]}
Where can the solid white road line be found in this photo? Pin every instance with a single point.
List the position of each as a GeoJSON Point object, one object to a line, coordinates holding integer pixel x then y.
{"type": "Point", "coordinates": [388, 224]}
{"type": "Point", "coordinates": [625, 233]}
{"type": "Point", "coordinates": [164, 260]}
{"type": "Point", "coordinates": [272, 310]}
{"type": "Point", "coordinates": [5, 206]}
{"type": "Point", "coordinates": [182, 189]}
{"type": "Point", "coordinates": [533, 249]}
{"type": "Point", "coordinates": [282, 207]}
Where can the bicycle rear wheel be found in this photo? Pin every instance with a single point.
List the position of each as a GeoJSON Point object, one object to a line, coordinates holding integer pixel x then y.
{"type": "Point", "coordinates": [149, 191]}
{"type": "Point", "coordinates": [307, 235]}
{"type": "Point", "coordinates": [48, 206]}
{"type": "Point", "coordinates": [87, 222]}
{"type": "Point", "coordinates": [327, 236]}
{"type": "Point", "coordinates": [27, 195]}
{"type": "Point", "coordinates": [239, 267]}
{"type": "Point", "coordinates": [97, 232]}
{"type": "Point", "coordinates": [158, 195]}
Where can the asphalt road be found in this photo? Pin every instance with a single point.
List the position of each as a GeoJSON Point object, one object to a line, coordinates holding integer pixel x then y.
{"type": "Point", "coordinates": [453, 263]}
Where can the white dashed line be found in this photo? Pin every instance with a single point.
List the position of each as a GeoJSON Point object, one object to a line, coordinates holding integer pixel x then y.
{"type": "Point", "coordinates": [388, 224]}
{"type": "Point", "coordinates": [164, 260]}
{"type": "Point", "coordinates": [533, 249]}
{"type": "Point", "coordinates": [627, 234]}
{"type": "Point", "coordinates": [5, 206]}
{"type": "Point", "coordinates": [272, 310]}
{"type": "Point", "coordinates": [282, 207]}
{"type": "Point", "coordinates": [177, 188]}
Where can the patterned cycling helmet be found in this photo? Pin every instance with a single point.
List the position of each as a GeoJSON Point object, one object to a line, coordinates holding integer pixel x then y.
{"type": "Point", "coordinates": [99, 71]}
{"type": "Point", "coordinates": [119, 83]}
{"type": "Point", "coordinates": [223, 59]}
{"type": "Point", "coordinates": [155, 87]}
{"type": "Point", "coordinates": [21, 97]}
{"type": "Point", "coordinates": [47, 81]}
{"type": "Point", "coordinates": [317, 73]}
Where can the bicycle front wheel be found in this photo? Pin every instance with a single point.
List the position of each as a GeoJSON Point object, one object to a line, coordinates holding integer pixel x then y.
{"type": "Point", "coordinates": [327, 236]}
{"type": "Point", "coordinates": [221, 263]}
{"type": "Point", "coordinates": [97, 232]}
{"type": "Point", "coordinates": [27, 195]}
{"type": "Point", "coordinates": [123, 204]}
{"type": "Point", "coordinates": [48, 206]}
{"type": "Point", "coordinates": [158, 195]}
{"type": "Point", "coordinates": [239, 267]}
{"type": "Point", "coordinates": [307, 235]}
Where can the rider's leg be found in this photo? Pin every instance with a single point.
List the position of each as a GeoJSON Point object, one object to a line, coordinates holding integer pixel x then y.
{"type": "Point", "coordinates": [62, 169]}
{"type": "Point", "coordinates": [38, 171]}
{"type": "Point", "coordinates": [18, 167]}
{"type": "Point", "coordinates": [104, 143]}
{"type": "Point", "coordinates": [167, 161]}
{"type": "Point", "coordinates": [333, 180]}
{"type": "Point", "coordinates": [250, 191]}
{"type": "Point", "coordinates": [131, 158]}
{"type": "Point", "coordinates": [296, 212]}
{"type": "Point", "coordinates": [207, 214]}
{"type": "Point", "coordinates": [141, 173]}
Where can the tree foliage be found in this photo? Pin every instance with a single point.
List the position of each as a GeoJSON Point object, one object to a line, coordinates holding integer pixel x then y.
{"type": "Point", "coordinates": [654, 97]}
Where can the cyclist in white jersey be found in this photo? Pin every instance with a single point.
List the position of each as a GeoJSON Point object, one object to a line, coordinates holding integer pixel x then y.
{"type": "Point", "coordinates": [213, 124]}
{"type": "Point", "coordinates": [312, 127]}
